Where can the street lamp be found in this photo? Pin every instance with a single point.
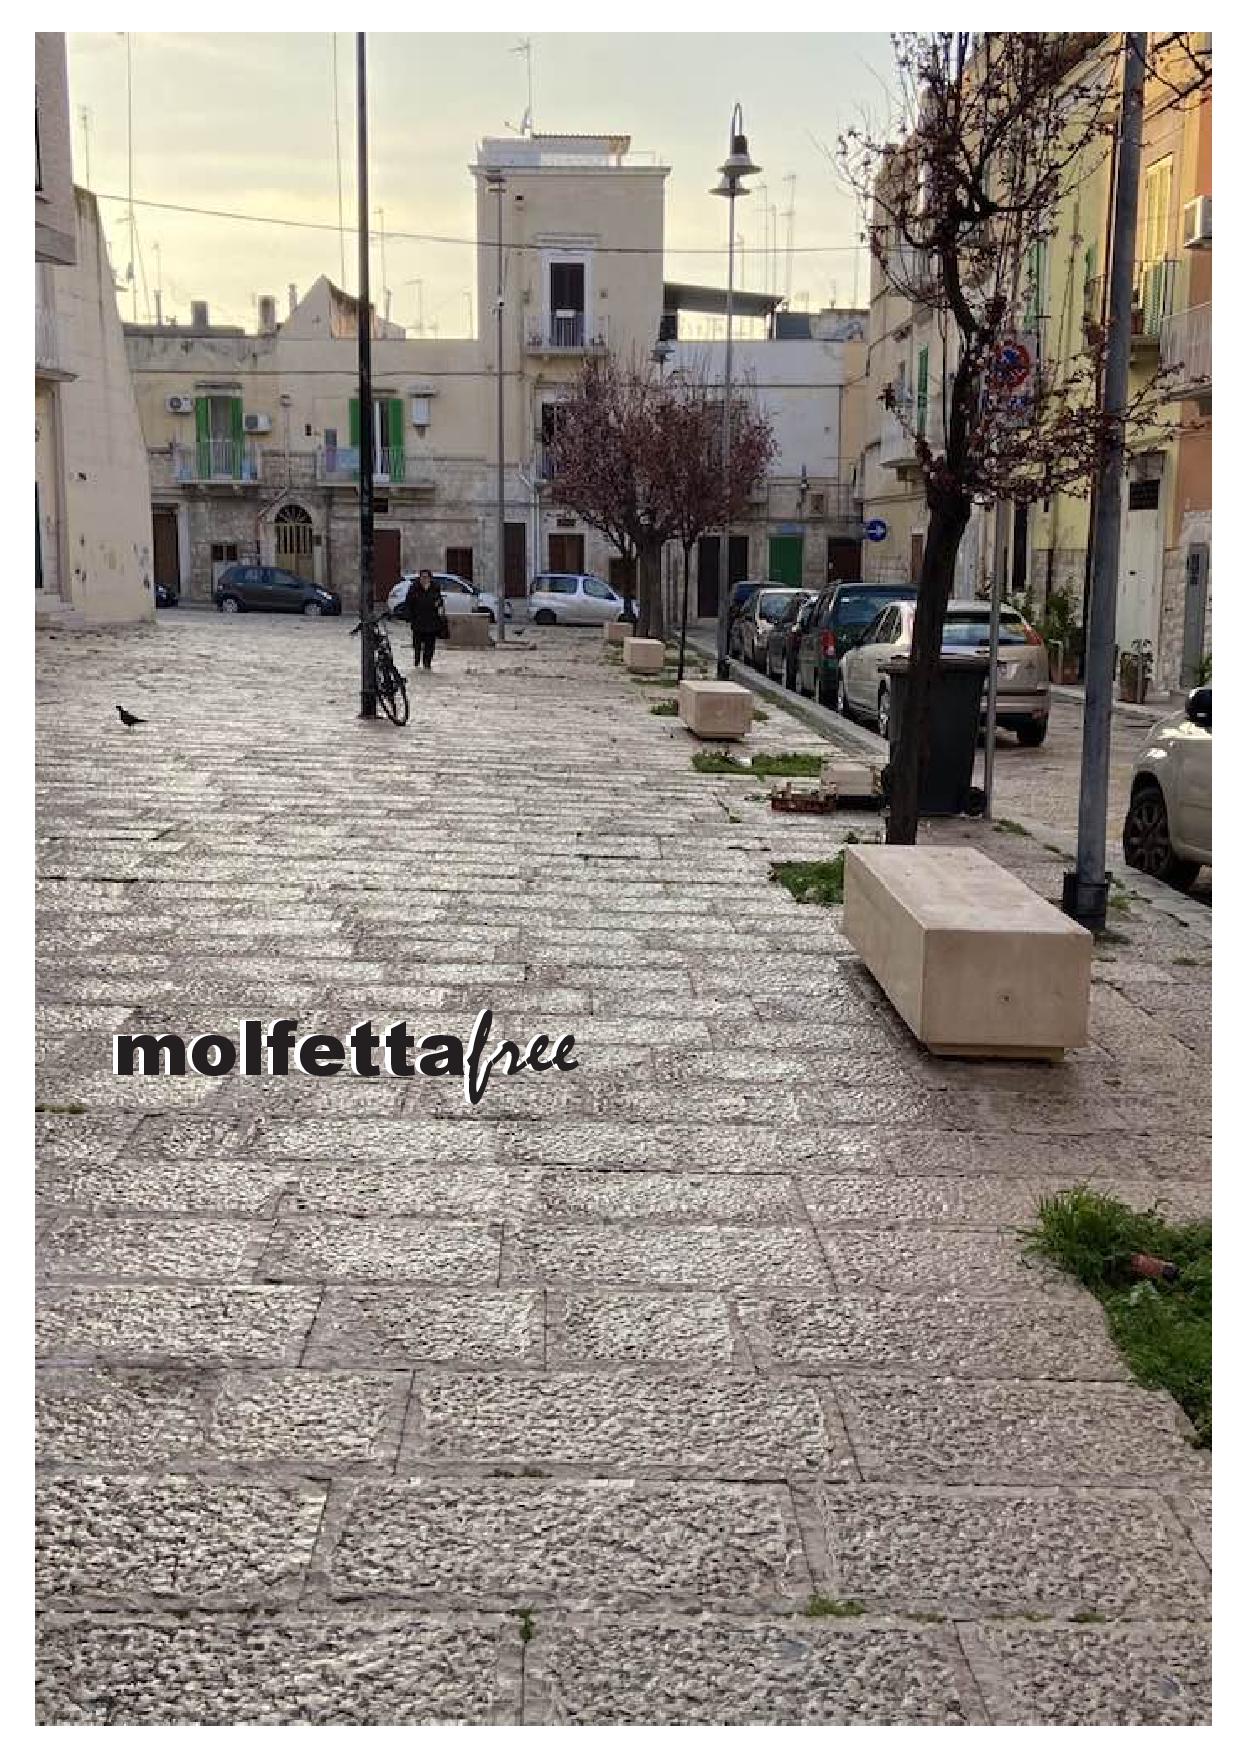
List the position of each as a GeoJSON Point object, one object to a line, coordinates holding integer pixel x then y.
{"type": "Point", "coordinates": [736, 165]}
{"type": "Point", "coordinates": [497, 185]}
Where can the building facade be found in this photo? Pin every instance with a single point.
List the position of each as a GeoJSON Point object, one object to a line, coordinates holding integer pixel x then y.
{"type": "Point", "coordinates": [1164, 577]}
{"type": "Point", "coordinates": [93, 539]}
{"type": "Point", "coordinates": [253, 438]}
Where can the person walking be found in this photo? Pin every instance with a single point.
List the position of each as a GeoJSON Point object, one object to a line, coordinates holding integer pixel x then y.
{"type": "Point", "coordinates": [426, 617]}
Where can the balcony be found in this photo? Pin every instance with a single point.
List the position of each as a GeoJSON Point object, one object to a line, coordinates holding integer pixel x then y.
{"type": "Point", "coordinates": [896, 446]}
{"type": "Point", "coordinates": [560, 332]}
{"type": "Point", "coordinates": [1153, 288]}
{"type": "Point", "coordinates": [338, 466]}
{"type": "Point", "coordinates": [836, 501]}
{"type": "Point", "coordinates": [216, 460]}
{"type": "Point", "coordinates": [1184, 349]}
{"type": "Point", "coordinates": [47, 356]}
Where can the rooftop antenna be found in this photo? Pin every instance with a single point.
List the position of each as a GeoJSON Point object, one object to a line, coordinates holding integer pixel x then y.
{"type": "Point", "coordinates": [387, 295]}
{"type": "Point", "coordinates": [526, 48]}
{"type": "Point", "coordinates": [159, 288]}
{"type": "Point", "coordinates": [791, 180]}
{"type": "Point", "coordinates": [84, 114]}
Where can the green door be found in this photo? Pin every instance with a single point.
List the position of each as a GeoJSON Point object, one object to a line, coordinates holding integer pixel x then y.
{"type": "Point", "coordinates": [784, 557]}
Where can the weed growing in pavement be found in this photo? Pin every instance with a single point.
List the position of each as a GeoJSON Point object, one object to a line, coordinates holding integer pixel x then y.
{"type": "Point", "coordinates": [813, 880]}
{"type": "Point", "coordinates": [760, 717]}
{"type": "Point", "coordinates": [1087, 1617]}
{"type": "Point", "coordinates": [1161, 1327]}
{"type": "Point", "coordinates": [665, 709]}
{"type": "Point", "coordinates": [828, 1608]}
{"type": "Point", "coordinates": [792, 766]}
{"type": "Point", "coordinates": [1185, 962]}
{"type": "Point", "coordinates": [711, 761]}
{"type": "Point", "coordinates": [59, 1108]}
{"type": "Point", "coordinates": [526, 1617]}
{"type": "Point", "coordinates": [1005, 825]}
{"type": "Point", "coordinates": [930, 1619]}
{"type": "Point", "coordinates": [1120, 900]}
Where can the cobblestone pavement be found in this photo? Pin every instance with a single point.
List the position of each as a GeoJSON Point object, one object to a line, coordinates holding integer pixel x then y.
{"type": "Point", "coordinates": [360, 1406]}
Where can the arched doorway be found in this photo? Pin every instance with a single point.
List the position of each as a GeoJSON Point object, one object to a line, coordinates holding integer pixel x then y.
{"type": "Point", "coordinates": [295, 541]}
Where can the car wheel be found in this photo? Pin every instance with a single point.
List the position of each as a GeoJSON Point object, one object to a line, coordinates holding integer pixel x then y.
{"type": "Point", "coordinates": [1147, 840]}
{"type": "Point", "coordinates": [884, 715]}
{"type": "Point", "coordinates": [544, 617]}
{"type": "Point", "coordinates": [846, 711]}
{"type": "Point", "coordinates": [1032, 734]}
{"type": "Point", "coordinates": [490, 614]}
{"type": "Point", "coordinates": [312, 609]}
{"type": "Point", "coordinates": [790, 679]}
{"type": "Point", "coordinates": [229, 605]}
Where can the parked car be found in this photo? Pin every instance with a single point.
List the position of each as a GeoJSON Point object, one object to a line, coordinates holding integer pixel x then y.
{"type": "Point", "coordinates": [1024, 671]}
{"type": "Point", "coordinates": [574, 598]}
{"type": "Point", "coordinates": [739, 595]}
{"type": "Point", "coordinates": [270, 587]}
{"type": "Point", "coordinates": [841, 616]}
{"type": "Point", "coordinates": [1167, 831]}
{"type": "Point", "coordinates": [166, 596]}
{"type": "Point", "coordinates": [784, 641]}
{"type": "Point", "coordinates": [460, 596]}
{"type": "Point", "coordinates": [758, 615]}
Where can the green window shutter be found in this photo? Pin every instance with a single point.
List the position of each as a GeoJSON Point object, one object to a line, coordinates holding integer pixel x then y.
{"type": "Point", "coordinates": [923, 388]}
{"type": "Point", "coordinates": [202, 434]}
{"type": "Point", "coordinates": [396, 438]}
{"type": "Point", "coordinates": [355, 424]}
{"type": "Point", "coordinates": [236, 432]}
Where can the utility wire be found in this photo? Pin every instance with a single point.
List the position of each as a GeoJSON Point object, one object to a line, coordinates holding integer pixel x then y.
{"type": "Point", "coordinates": [422, 237]}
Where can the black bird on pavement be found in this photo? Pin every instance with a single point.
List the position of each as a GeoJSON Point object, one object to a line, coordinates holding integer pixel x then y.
{"type": "Point", "coordinates": [129, 720]}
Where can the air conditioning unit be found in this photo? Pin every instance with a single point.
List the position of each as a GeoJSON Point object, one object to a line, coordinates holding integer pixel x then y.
{"type": "Point", "coordinates": [180, 404]}
{"type": "Point", "coordinates": [256, 422]}
{"type": "Point", "coordinates": [1197, 224]}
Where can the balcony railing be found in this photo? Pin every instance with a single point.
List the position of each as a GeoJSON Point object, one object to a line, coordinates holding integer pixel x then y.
{"type": "Point", "coordinates": [338, 466]}
{"type": "Point", "coordinates": [896, 449]}
{"type": "Point", "coordinates": [836, 500]}
{"type": "Point", "coordinates": [216, 460]}
{"type": "Point", "coordinates": [1153, 289]}
{"type": "Point", "coordinates": [564, 332]}
{"type": "Point", "coordinates": [1185, 349]}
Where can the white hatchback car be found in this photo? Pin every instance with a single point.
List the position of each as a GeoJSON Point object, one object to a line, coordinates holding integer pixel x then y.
{"type": "Point", "coordinates": [574, 598]}
{"type": "Point", "coordinates": [1167, 831]}
{"type": "Point", "coordinates": [460, 597]}
{"type": "Point", "coordinates": [1024, 672]}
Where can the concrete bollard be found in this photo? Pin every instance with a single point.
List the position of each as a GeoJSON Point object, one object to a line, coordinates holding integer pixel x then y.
{"type": "Point", "coordinates": [645, 656]}
{"type": "Point", "coordinates": [715, 709]}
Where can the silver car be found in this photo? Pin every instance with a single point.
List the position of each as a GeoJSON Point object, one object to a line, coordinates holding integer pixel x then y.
{"type": "Point", "coordinates": [1167, 832]}
{"type": "Point", "coordinates": [460, 597]}
{"type": "Point", "coordinates": [1024, 672]}
{"type": "Point", "coordinates": [574, 599]}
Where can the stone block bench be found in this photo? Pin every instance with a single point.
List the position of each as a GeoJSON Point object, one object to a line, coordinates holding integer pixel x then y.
{"type": "Point", "coordinates": [616, 632]}
{"type": "Point", "coordinates": [469, 631]}
{"type": "Point", "coordinates": [975, 963]}
{"type": "Point", "coordinates": [645, 656]}
{"type": "Point", "coordinates": [715, 709]}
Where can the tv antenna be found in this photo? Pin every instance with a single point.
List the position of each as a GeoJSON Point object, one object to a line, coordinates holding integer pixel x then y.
{"type": "Point", "coordinates": [525, 47]}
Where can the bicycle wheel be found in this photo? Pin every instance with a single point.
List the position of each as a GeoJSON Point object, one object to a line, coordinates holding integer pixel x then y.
{"type": "Point", "coordinates": [390, 688]}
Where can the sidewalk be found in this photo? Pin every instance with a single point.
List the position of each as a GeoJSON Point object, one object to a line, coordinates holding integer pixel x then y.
{"type": "Point", "coordinates": [361, 1406]}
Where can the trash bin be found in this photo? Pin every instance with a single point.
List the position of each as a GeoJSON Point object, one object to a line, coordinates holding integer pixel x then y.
{"type": "Point", "coordinates": [955, 711]}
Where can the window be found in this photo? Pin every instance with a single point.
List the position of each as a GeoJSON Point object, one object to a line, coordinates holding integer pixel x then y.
{"type": "Point", "coordinates": [1157, 208]}
{"type": "Point", "coordinates": [923, 388]}
{"type": "Point", "coordinates": [858, 610]}
{"type": "Point", "coordinates": [971, 627]}
{"type": "Point", "coordinates": [596, 588]}
{"type": "Point", "coordinates": [564, 584]}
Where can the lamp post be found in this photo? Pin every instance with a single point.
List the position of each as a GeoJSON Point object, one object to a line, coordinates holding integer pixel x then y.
{"type": "Point", "coordinates": [496, 184]}
{"type": "Point", "coordinates": [365, 402]}
{"type": "Point", "coordinates": [736, 165]}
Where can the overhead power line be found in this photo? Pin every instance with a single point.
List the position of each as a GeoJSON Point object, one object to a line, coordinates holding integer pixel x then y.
{"type": "Point", "coordinates": [424, 237]}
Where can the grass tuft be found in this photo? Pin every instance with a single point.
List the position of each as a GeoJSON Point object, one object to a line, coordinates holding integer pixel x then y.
{"type": "Point", "coordinates": [828, 1608]}
{"type": "Point", "coordinates": [526, 1618]}
{"type": "Point", "coordinates": [784, 767]}
{"type": "Point", "coordinates": [814, 880]}
{"type": "Point", "coordinates": [665, 709]}
{"type": "Point", "coordinates": [1005, 825]}
{"type": "Point", "coordinates": [712, 761]}
{"type": "Point", "coordinates": [1162, 1329]}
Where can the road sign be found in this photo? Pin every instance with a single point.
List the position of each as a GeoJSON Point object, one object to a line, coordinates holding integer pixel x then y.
{"type": "Point", "coordinates": [875, 530]}
{"type": "Point", "coordinates": [1013, 361]}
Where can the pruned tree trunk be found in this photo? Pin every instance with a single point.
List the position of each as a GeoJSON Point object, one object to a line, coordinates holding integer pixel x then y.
{"type": "Point", "coordinates": [650, 592]}
{"type": "Point", "coordinates": [949, 518]}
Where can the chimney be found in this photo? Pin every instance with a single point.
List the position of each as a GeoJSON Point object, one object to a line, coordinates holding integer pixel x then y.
{"type": "Point", "coordinates": [292, 299]}
{"type": "Point", "coordinates": [199, 316]}
{"type": "Point", "coordinates": [267, 315]}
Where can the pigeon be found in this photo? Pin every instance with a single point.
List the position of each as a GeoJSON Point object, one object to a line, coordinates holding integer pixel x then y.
{"type": "Point", "coordinates": [129, 720]}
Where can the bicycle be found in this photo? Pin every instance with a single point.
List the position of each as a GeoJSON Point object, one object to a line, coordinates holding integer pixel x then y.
{"type": "Point", "coordinates": [389, 683]}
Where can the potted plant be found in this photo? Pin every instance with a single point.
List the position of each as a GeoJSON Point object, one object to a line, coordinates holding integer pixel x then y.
{"type": "Point", "coordinates": [1063, 636]}
{"type": "Point", "coordinates": [1135, 666]}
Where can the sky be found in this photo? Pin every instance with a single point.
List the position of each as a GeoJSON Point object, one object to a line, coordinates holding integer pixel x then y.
{"type": "Point", "coordinates": [244, 123]}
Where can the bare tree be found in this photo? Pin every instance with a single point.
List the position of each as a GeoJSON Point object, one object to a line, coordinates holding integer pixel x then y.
{"type": "Point", "coordinates": [961, 207]}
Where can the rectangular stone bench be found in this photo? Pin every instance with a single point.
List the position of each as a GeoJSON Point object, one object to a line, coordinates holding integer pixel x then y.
{"type": "Point", "coordinates": [975, 963]}
{"type": "Point", "coordinates": [469, 631]}
{"type": "Point", "coordinates": [715, 709]}
{"type": "Point", "coordinates": [645, 656]}
{"type": "Point", "coordinates": [616, 632]}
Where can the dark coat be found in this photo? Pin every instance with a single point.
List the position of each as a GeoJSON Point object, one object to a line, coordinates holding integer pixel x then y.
{"type": "Point", "coordinates": [425, 606]}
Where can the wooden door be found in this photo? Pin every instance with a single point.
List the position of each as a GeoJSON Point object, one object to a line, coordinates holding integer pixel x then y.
{"type": "Point", "coordinates": [167, 548]}
{"type": "Point", "coordinates": [566, 551]}
{"type": "Point", "coordinates": [461, 562]}
{"type": "Point", "coordinates": [387, 562]}
{"type": "Point", "coordinates": [516, 578]}
{"type": "Point", "coordinates": [917, 550]}
{"type": "Point", "coordinates": [843, 560]}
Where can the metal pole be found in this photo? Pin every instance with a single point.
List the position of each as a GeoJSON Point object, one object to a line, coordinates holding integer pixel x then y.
{"type": "Point", "coordinates": [501, 592]}
{"type": "Point", "coordinates": [725, 594]}
{"type": "Point", "coordinates": [365, 401]}
{"type": "Point", "coordinates": [992, 669]}
{"type": "Point", "coordinates": [1085, 889]}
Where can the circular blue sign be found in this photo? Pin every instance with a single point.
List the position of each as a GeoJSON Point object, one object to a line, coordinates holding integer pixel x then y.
{"type": "Point", "coordinates": [876, 530]}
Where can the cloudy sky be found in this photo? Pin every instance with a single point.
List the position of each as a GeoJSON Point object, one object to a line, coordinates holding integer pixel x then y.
{"type": "Point", "coordinates": [243, 123]}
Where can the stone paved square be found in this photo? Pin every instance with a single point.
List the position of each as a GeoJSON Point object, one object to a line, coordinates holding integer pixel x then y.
{"type": "Point", "coordinates": [360, 1405]}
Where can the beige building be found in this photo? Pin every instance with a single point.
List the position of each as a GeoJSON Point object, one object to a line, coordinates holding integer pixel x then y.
{"type": "Point", "coordinates": [93, 554]}
{"type": "Point", "coordinates": [253, 438]}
